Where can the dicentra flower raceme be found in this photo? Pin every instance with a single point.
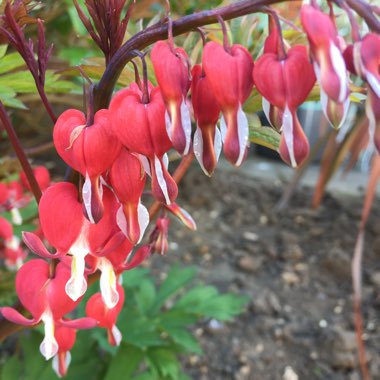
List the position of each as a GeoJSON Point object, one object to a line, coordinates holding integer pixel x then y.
{"type": "Point", "coordinates": [121, 154]}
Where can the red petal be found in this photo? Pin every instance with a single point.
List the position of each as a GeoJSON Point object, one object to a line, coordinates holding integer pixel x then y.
{"type": "Point", "coordinates": [15, 317]}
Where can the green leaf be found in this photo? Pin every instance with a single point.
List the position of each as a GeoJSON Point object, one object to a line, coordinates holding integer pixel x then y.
{"type": "Point", "coordinates": [145, 376]}
{"type": "Point", "coordinates": [206, 301]}
{"type": "Point", "coordinates": [165, 362]}
{"type": "Point", "coordinates": [224, 307]}
{"type": "Point", "coordinates": [134, 277]}
{"type": "Point", "coordinates": [11, 62]}
{"type": "Point", "coordinates": [11, 369]}
{"type": "Point", "coordinates": [265, 136]}
{"type": "Point", "coordinates": [175, 318]}
{"type": "Point", "coordinates": [3, 50]}
{"type": "Point", "coordinates": [195, 296]}
{"type": "Point", "coordinates": [177, 278]}
{"type": "Point", "coordinates": [145, 337]}
{"type": "Point", "coordinates": [185, 339]}
{"type": "Point", "coordinates": [124, 363]}
{"type": "Point", "coordinates": [33, 362]}
{"type": "Point", "coordinates": [145, 295]}
{"type": "Point", "coordinates": [13, 102]}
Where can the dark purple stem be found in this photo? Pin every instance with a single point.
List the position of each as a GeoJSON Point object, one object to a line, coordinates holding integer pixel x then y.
{"type": "Point", "coordinates": [103, 90]}
{"type": "Point", "coordinates": [20, 153]}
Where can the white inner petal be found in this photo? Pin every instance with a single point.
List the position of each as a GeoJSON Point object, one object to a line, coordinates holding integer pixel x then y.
{"type": "Point", "coordinates": [161, 179]}
{"type": "Point", "coordinates": [287, 130]}
{"type": "Point", "coordinates": [16, 216]}
{"type": "Point", "coordinates": [145, 163]}
{"type": "Point", "coordinates": [108, 288]}
{"type": "Point", "coordinates": [121, 221]}
{"type": "Point", "coordinates": [186, 124]}
{"type": "Point", "coordinates": [358, 63]}
{"type": "Point", "coordinates": [55, 363]}
{"type": "Point", "coordinates": [266, 109]}
{"type": "Point", "coordinates": [340, 70]}
{"type": "Point", "coordinates": [86, 195]}
{"type": "Point", "coordinates": [198, 148]}
{"type": "Point", "coordinates": [165, 160]}
{"type": "Point", "coordinates": [190, 222]}
{"type": "Point", "coordinates": [346, 106]}
{"type": "Point", "coordinates": [116, 334]}
{"type": "Point", "coordinates": [13, 243]}
{"type": "Point", "coordinates": [243, 134]}
{"type": "Point", "coordinates": [49, 346]}
{"type": "Point", "coordinates": [76, 286]}
{"type": "Point", "coordinates": [217, 143]}
{"type": "Point", "coordinates": [223, 127]}
{"type": "Point", "coordinates": [143, 215]}
{"type": "Point", "coordinates": [374, 83]}
{"type": "Point", "coordinates": [317, 71]}
{"type": "Point", "coordinates": [168, 125]}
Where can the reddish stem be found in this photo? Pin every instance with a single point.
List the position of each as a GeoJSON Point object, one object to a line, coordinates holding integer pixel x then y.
{"type": "Point", "coordinates": [281, 51]}
{"type": "Point", "coordinates": [20, 153]}
{"type": "Point", "coordinates": [226, 42]}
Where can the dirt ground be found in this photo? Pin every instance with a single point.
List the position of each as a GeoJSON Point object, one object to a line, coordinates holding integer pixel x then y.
{"type": "Point", "coordinates": [295, 267]}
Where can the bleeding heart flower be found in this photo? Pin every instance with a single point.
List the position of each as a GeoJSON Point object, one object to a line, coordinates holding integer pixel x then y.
{"type": "Point", "coordinates": [65, 338]}
{"type": "Point", "coordinates": [207, 137]}
{"type": "Point", "coordinates": [294, 148]}
{"type": "Point", "coordinates": [230, 76]}
{"type": "Point", "coordinates": [90, 150]}
{"type": "Point", "coordinates": [275, 80]}
{"type": "Point", "coordinates": [105, 236]}
{"type": "Point", "coordinates": [6, 229]}
{"type": "Point", "coordinates": [171, 66]}
{"type": "Point", "coordinates": [66, 229]}
{"type": "Point", "coordinates": [363, 59]}
{"type": "Point", "coordinates": [42, 176]}
{"type": "Point", "coordinates": [127, 177]}
{"type": "Point", "coordinates": [106, 317]}
{"type": "Point", "coordinates": [329, 65]}
{"type": "Point", "coordinates": [13, 254]}
{"type": "Point", "coordinates": [11, 199]}
{"type": "Point", "coordinates": [366, 59]}
{"type": "Point", "coordinates": [159, 236]}
{"type": "Point", "coordinates": [45, 298]}
{"type": "Point", "coordinates": [141, 128]}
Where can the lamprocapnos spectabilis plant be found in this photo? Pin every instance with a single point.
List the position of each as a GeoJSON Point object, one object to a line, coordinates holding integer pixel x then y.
{"type": "Point", "coordinates": [119, 146]}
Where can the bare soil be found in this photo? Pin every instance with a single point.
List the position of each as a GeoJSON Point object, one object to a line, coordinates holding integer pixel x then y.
{"type": "Point", "coordinates": [295, 265]}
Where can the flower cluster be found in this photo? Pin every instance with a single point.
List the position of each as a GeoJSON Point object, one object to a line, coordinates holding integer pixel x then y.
{"type": "Point", "coordinates": [14, 196]}
{"type": "Point", "coordinates": [116, 150]}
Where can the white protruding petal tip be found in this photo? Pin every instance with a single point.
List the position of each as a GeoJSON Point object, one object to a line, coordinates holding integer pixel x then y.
{"type": "Point", "coordinates": [143, 215]}
{"type": "Point", "coordinates": [49, 346]}
{"type": "Point", "coordinates": [86, 195]}
{"type": "Point", "coordinates": [168, 125]}
{"type": "Point", "coordinates": [161, 180]}
{"type": "Point", "coordinates": [16, 216]}
{"type": "Point", "coordinates": [340, 69]}
{"type": "Point", "coordinates": [266, 109]}
{"type": "Point", "coordinates": [198, 148]}
{"type": "Point", "coordinates": [186, 124]}
{"type": "Point", "coordinates": [223, 127]}
{"type": "Point", "coordinates": [108, 284]}
{"type": "Point", "coordinates": [121, 221]}
{"type": "Point", "coordinates": [287, 127]}
{"type": "Point", "coordinates": [76, 286]}
{"type": "Point", "coordinates": [116, 335]}
{"type": "Point", "coordinates": [243, 134]}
